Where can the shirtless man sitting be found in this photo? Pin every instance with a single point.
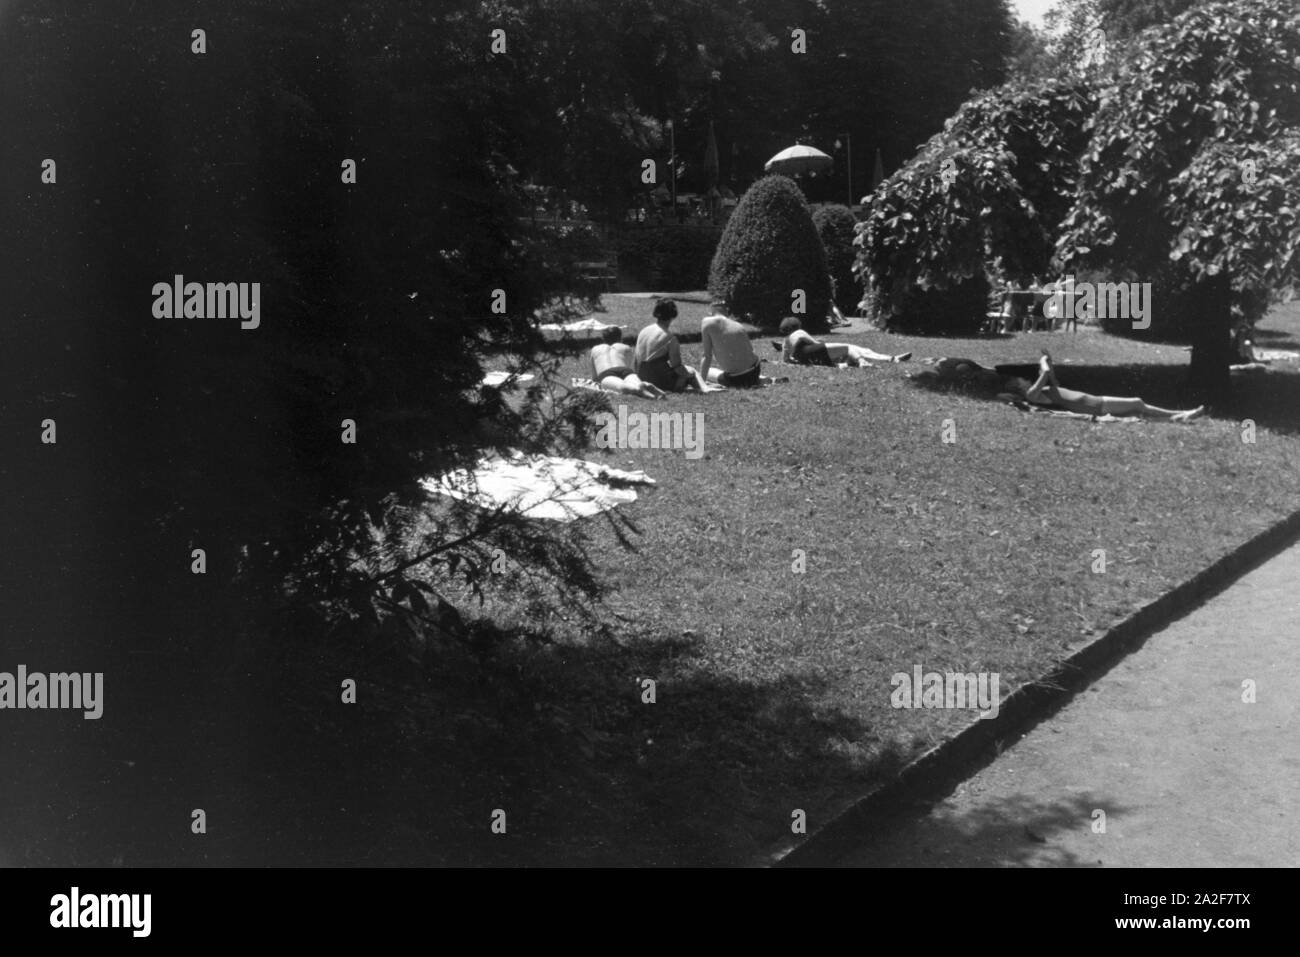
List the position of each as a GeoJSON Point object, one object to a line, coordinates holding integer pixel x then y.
{"type": "Point", "coordinates": [658, 354]}
{"type": "Point", "coordinates": [802, 348]}
{"type": "Point", "coordinates": [729, 357]}
{"type": "Point", "coordinates": [612, 362]}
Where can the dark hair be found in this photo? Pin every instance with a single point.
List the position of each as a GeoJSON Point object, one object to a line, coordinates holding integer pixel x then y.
{"type": "Point", "coordinates": [789, 324]}
{"type": "Point", "coordinates": [612, 335]}
{"type": "Point", "coordinates": [665, 309]}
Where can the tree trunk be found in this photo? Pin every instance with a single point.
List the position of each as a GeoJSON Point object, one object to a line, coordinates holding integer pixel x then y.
{"type": "Point", "coordinates": [1211, 340]}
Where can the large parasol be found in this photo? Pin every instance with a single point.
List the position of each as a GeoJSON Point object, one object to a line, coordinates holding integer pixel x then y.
{"type": "Point", "coordinates": [799, 159]}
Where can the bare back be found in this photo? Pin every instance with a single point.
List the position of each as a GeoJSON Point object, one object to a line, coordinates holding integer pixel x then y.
{"type": "Point", "coordinates": [653, 342]}
{"type": "Point", "coordinates": [606, 356]}
{"type": "Point", "coordinates": [727, 344]}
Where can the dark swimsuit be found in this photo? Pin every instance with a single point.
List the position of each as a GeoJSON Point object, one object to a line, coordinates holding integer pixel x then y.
{"type": "Point", "coordinates": [659, 373]}
{"type": "Point", "coordinates": [742, 380]}
{"type": "Point", "coordinates": [813, 353]}
{"type": "Point", "coordinates": [621, 371]}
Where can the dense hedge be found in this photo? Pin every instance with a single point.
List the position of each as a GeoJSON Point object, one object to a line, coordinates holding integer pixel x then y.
{"type": "Point", "coordinates": [835, 225]}
{"type": "Point", "coordinates": [769, 250]}
{"type": "Point", "coordinates": [953, 310]}
{"type": "Point", "coordinates": [669, 258]}
{"type": "Point", "coordinates": [982, 202]}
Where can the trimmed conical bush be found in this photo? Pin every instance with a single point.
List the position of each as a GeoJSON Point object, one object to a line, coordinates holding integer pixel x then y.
{"type": "Point", "coordinates": [769, 263]}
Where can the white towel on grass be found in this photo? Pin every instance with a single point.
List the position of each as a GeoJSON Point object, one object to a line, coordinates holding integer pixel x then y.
{"type": "Point", "coordinates": [540, 486]}
{"type": "Point", "coordinates": [582, 325]}
{"type": "Point", "coordinates": [498, 377]}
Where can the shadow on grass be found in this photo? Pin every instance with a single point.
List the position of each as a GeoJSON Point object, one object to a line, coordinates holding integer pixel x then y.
{"type": "Point", "coordinates": [1016, 831]}
{"type": "Point", "coordinates": [1271, 398]}
{"type": "Point", "coordinates": [959, 335]}
{"type": "Point", "coordinates": [438, 740]}
{"type": "Point", "coordinates": [1275, 338]}
{"type": "Point", "coordinates": [561, 740]}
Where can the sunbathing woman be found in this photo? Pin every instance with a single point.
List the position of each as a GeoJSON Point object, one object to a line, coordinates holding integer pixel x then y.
{"type": "Point", "coordinates": [1047, 391]}
{"type": "Point", "coordinates": [657, 358]}
{"type": "Point", "coordinates": [612, 362]}
{"type": "Point", "coordinates": [802, 348]}
{"type": "Point", "coordinates": [1010, 382]}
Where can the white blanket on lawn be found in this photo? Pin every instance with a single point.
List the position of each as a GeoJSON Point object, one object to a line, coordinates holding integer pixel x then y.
{"type": "Point", "coordinates": [582, 325]}
{"type": "Point", "coordinates": [499, 377]}
{"type": "Point", "coordinates": [540, 486]}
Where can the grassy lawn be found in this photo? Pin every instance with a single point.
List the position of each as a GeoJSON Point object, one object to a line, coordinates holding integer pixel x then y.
{"type": "Point", "coordinates": [773, 688]}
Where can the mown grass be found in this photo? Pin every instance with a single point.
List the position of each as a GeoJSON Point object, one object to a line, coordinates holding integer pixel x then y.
{"type": "Point", "coordinates": [772, 687]}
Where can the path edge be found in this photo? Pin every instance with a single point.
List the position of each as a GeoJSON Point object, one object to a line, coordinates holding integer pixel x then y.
{"type": "Point", "coordinates": [1031, 703]}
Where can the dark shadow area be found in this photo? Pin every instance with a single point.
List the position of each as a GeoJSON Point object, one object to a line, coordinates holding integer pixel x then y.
{"type": "Point", "coordinates": [1275, 338]}
{"type": "Point", "coordinates": [411, 774]}
{"type": "Point", "coordinates": [1016, 832]}
{"type": "Point", "coordinates": [958, 334]}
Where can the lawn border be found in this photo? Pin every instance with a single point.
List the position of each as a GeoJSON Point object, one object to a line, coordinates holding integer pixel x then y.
{"type": "Point", "coordinates": [939, 769]}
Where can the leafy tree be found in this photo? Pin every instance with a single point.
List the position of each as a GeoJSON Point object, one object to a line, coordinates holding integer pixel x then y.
{"type": "Point", "coordinates": [770, 257]}
{"type": "Point", "coordinates": [1030, 56]}
{"type": "Point", "coordinates": [885, 73]}
{"type": "Point", "coordinates": [604, 77]}
{"type": "Point", "coordinates": [1193, 161]}
{"type": "Point", "coordinates": [981, 202]}
{"type": "Point", "coordinates": [376, 301]}
{"type": "Point", "coordinates": [1093, 36]}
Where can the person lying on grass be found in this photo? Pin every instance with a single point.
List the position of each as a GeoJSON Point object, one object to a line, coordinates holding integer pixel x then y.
{"type": "Point", "coordinates": [1047, 391]}
{"type": "Point", "coordinates": [800, 347]}
{"type": "Point", "coordinates": [658, 355]}
{"type": "Point", "coordinates": [612, 362]}
{"type": "Point", "coordinates": [729, 357]}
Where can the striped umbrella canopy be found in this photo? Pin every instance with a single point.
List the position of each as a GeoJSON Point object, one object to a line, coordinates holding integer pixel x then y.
{"type": "Point", "coordinates": [795, 160]}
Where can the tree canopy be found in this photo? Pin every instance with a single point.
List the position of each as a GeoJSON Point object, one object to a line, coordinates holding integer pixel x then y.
{"type": "Point", "coordinates": [1192, 160]}
{"type": "Point", "coordinates": [1176, 164]}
